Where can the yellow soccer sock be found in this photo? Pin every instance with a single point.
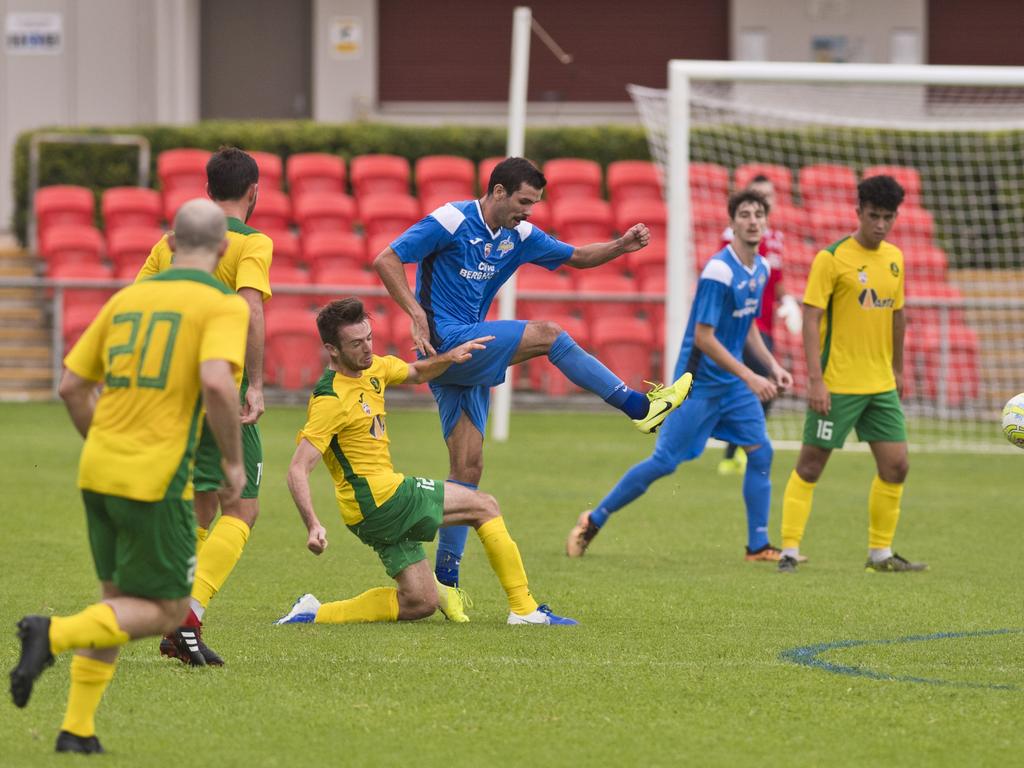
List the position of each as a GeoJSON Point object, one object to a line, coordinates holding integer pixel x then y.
{"type": "Point", "coordinates": [507, 564]}
{"type": "Point", "coordinates": [796, 508]}
{"type": "Point", "coordinates": [89, 679]}
{"type": "Point", "coordinates": [202, 534]}
{"type": "Point", "coordinates": [220, 554]}
{"type": "Point", "coordinates": [95, 627]}
{"type": "Point", "coordinates": [378, 604]}
{"type": "Point", "coordinates": [883, 512]}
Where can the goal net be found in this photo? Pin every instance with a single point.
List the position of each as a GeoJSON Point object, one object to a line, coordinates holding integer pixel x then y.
{"type": "Point", "coordinates": [953, 137]}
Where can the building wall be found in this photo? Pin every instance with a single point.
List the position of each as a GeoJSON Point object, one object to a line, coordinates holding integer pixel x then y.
{"type": "Point", "coordinates": [122, 62]}
{"type": "Point", "coordinates": [978, 32]}
{"type": "Point", "coordinates": [877, 31]}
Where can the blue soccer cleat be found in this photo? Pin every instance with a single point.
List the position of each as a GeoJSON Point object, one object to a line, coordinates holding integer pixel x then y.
{"type": "Point", "coordinates": [542, 615]}
{"type": "Point", "coordinates": [303, 611]}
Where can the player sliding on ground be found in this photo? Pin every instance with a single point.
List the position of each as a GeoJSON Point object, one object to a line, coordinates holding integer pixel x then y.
{"type": "Point", "coordinates": [388, 511]}
{"type": "Point", "coordinates": [466, 251]}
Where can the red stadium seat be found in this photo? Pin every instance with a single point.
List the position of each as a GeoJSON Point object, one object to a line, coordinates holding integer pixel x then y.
{"type": "Point", "coordinates": [130, 207]}
{"type": "Point", "coordinates": [647, 262]}
{"type": "Point", "coordinates": [626, 346]}
{"type": "Point", "coordinates": [908, 178]}
{"type": "Point", "coordinates": [830, 223]}
{"type": "Point", "coordinates": [445, 176]}
{"type": "Point", "coordinates": [709, 181]}
{"type": "Point", "coordinates": [379, 175]}
{"type": "Point", "coordinates": [583, 220]}
{"type": "Point", "coordinates": [379, 307]}
{"type": "Point", "coordinates": [324, 211]}
{"type": "Point", "coordinates": [174, 199]}
{"type": "Point", "coordinates": [534, 279]}
{"type": "Point", "coordinates": [926, 263]}
{"type": "Point", "coordinates": [542, 375]}
{"type": "Point", "coordinates": [796, 261]}
{"type": "Point", "coordinates": [709, 218]}
{"type": "Point", "coordinates": [591, 282]}
{"type": "Point", "coordinates": [540, 216]}
{"type": "Point", "coordinates": [485, 168]}
{"type": "Point", "coordinates": [779, 175]}
{"type": "Point", "coordinates": [650, 212]}
{"type": "Point", "coordinates": [273, 210]}
{"type": "Point", "coordinates": [794, 223]}
{"type": "Point", "coordinates": [572, 177]}
{"type": "Point", "coordinates": [913, 227]}
{"type": "Point", "coordinates": [77, 317]}
{"type": "Point", "coordinates": [949, 361]}
{"type": "Point", "coordinates": [430, 203]}
{"type": "Point", "coordinates": [286, 275]}
{"type": "Point", "coordinates": [388, 214]}
{"type": "Point", "coordinates": [295, 357]}
{"type": "Point", "coordinates": [939, 299]}
{"type": "Point", "coordinates": [271, 170]}
{"type": "Point", "coordinates": [63, 204]}
{"type": "Point", "coordinates": [633, 180]}
{"type": "Point", "coordinates": [375, 246]}
{"type": "Point", "coordinates": [703, 249]}
{"type": "Point", "coordinates": [333, 250]}
{"type": "Point", "coordinates": [286, 246]}
{"type": "Point", "coordinates": [182, 169]}
{"type": "Point", "coordinates": [83, 271]}
{"type": "Point", "coordinates": [314, 172]}
{"type": "Point", "coordinates": [63, 244]}
{"type": "Point", "coordinates": [826, 184]}
{"type": "Point", "coordinates": [128, 247]}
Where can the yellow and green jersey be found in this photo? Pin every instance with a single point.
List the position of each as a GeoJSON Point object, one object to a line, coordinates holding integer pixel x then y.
{"type": "Point", "coordinates": [245, 263]}
{"type": "Point", "coordinates": [859, 290]}
{"type": "Point", "coordinates": [346, 422]}
{"type": "Point", "coordinates": [146, 346]}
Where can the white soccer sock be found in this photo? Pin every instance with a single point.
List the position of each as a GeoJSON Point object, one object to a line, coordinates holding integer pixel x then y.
{"type": "Point", "coordinates": [878, 555]}
{"type": "Point", "coordinates": [197, 608]}
{"type": "Point", "coordinates": [793, 552]}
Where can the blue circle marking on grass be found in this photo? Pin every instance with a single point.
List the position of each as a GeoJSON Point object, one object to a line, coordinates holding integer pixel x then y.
{"type": "Point", "coordinates": [810, 656]}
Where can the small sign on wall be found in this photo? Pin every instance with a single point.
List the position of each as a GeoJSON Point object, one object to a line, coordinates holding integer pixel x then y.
{"type": "Point", "coordinates": [34, 33]}
{"type": "Point", "coordinates": [345, 37]}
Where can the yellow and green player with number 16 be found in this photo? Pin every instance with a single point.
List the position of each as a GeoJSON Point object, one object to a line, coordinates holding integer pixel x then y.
{"type": "Point", "coordinates": [853, 341]}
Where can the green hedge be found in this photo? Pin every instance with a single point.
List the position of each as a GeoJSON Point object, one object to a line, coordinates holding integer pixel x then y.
{"type": "Point", "coordinates": [101, 167]}
{"type": "Point", "coordinates": [976, 195]}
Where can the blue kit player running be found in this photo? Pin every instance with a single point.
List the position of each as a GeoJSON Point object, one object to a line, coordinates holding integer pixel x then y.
{"type": "Point", "coordinates": [726, 393]}
{"type": "Point", "coordinates": [465, 251]}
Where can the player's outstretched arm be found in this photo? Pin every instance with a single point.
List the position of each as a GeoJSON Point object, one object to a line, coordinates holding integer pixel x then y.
{"type": "Point", "coordinates": [818, 398]}
{"type": "Point", "coordinates": [304, 459]}
{"type": "Point", "coordinates": [79, 396]}
{"type": "Point", "coordinates": [392, 274]}
{"type": "Point", "coordinates": [220, 398]}
{"type": "Point", "coordinates": [431, 367]}
{"type": "Point", "coordinates": [596, 254]}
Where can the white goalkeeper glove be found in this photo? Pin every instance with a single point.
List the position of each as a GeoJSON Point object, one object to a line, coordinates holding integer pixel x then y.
{"type": "Point", "coordinates": [790, 313]}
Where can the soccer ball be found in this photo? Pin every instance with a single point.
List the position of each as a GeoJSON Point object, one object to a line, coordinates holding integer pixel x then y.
{"type": "Point", "coordinates": [1013, 420]}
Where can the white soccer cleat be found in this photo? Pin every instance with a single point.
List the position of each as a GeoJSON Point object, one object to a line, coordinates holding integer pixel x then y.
{"type": "Point", "coordinates": [542, 615]}
{"type": "Point", "coordinates": [303, 611]}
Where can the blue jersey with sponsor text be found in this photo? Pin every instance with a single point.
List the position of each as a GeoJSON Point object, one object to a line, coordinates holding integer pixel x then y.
{"type": "Point", "coordinates": [462, 262]}
{"type": "Point", "coordinates": [728, 298]}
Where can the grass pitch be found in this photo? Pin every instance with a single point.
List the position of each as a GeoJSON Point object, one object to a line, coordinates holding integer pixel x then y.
{"type": "Point", "coordinates": [680, 658]}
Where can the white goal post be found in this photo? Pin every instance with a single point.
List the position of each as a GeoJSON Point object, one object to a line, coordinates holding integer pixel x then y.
{"type": "Point", "coordinates": [943, 119]}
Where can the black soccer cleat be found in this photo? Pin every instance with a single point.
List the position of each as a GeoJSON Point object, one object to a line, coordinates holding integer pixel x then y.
{"type": "Point", "coordinates": [788, 564]}
{"type": "Point", "coordinates": [34, 632]}
{"type": "Point", "coordinates": [185, 644]}
{"type": "Point", "coordinates": [83, 745]}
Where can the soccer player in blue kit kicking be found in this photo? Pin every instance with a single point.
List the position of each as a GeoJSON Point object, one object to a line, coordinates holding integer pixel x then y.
{"type": "Point", "coordinates": [465, 251]}
{"type": "Point", "coordinates": [726, 393]}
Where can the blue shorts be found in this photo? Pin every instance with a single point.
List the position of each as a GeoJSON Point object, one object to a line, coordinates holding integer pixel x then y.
{"type": "Point", "coordinates": [735, 416]}
{"type": "Point", "coordinates": [466, 387]}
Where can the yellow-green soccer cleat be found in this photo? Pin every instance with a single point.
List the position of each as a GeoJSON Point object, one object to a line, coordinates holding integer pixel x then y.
{"type": "Point", "coordinates": [664, 400]}
{"type": "Point", "coordinates": [453, 602]}
{"type": "Point", "coordinates": [894, 564]}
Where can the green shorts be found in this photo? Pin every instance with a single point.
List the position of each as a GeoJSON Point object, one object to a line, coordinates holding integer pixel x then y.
{"type": "Point", "coordinates": [208, 475]}
{"type": "Point", "coordinates": [147, 549]}
{"type": "Point", "coordinates": [878, 418]}
{"type": "Point", "coordinates": [412, 515]}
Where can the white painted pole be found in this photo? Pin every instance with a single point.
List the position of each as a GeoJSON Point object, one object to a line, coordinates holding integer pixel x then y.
{"type": "Point", "coordinates": [679, 268]}
{"type": "Point", "coordinates": [522, 19]}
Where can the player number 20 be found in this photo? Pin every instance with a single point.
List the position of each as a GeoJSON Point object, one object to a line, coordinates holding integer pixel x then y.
{"type": "Point", "coordinates": [825, 429]}
{"type": "Point", "coordinates": [149, 354]}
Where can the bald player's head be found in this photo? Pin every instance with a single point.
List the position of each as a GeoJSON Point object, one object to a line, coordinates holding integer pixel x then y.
{"type": "Point", "coordinates": [198, 237]}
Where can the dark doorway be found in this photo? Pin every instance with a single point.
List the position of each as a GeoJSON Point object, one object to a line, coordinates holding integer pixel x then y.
{"type": "Point", "coordinates": [256, 59]}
